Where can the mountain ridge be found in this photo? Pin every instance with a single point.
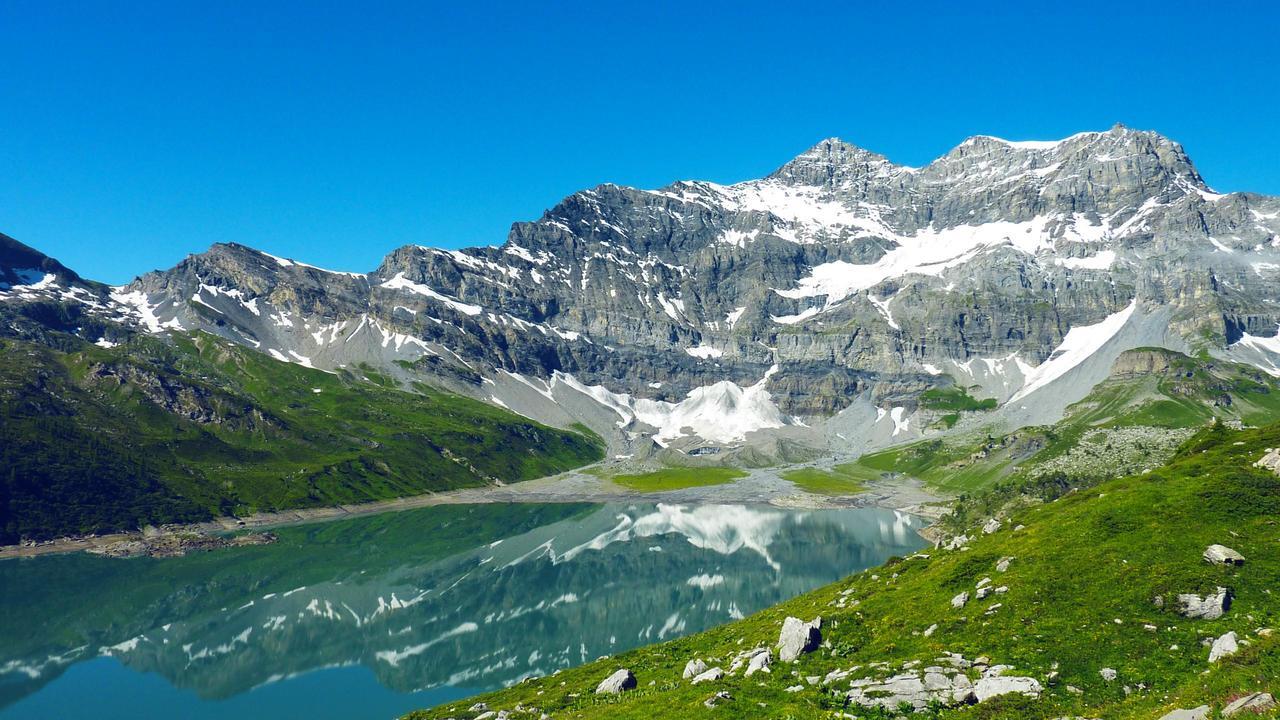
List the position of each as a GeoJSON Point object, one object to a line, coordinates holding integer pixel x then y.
{"type": "Point", "coordinates": [842, 284]}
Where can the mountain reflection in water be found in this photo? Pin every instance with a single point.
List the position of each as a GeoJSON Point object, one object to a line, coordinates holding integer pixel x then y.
{"type": "Point", "coordinates": [439, 599]}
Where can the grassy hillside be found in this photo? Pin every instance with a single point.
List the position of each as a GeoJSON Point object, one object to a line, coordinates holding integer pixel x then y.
{"type": "Point", "coordinates": [97, 439]}
{"type": "Point", "coordinates": [1132, 421]}
{"type": "Point", "coordinates": [1079, 597]}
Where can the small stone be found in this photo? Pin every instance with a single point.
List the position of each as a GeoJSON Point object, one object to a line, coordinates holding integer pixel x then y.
{"type": "Point", "coordinates": [960, 600]}
{"type": "Point", "coordinates": [759, 663]}
{"type": "Point", "coordinates": [1003, 564]}
{"type": "Point", "coordinates": [1222, 555]}
{"type": "Point", "coordinates": [711, 675]}
{"type": "Point", "coordinates": [711, 701]}
{"type": "Point", "coordinates": [930, 630]}
{"type": "Point", "coordinates": [1224, 646]}
{"type": "Point", "coordinates": [619, 681]}
{"type": "Point", "coordinates": [1108, 674]}
{"type": "Point", "coordinates": [1254, 703]}
{"type": "Point", "coordinates": [694, 668]}
{"type": "Point", "coordinates": [1209, 607]}
{"type": "Point", "coordinates": [991, 526]}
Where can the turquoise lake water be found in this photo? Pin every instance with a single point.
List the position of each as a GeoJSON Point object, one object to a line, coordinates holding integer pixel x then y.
{"type": "Point", "coordinates": [376, 616]}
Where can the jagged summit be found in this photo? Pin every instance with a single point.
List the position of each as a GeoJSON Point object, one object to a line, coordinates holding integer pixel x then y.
{"type": "Point", "coordinates": [832, 162]}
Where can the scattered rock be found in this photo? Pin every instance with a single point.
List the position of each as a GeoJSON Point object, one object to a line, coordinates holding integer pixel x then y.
{"type": "Point", "coordinates": [1200, 713]}
{"type": "Point", "coordinates": [929, 631]}
{"type": "Point", "coordinates": [759, 662]}
{"type": "Point", "coordinates": [616, 683]}
{"type": "Point", "coordinates": [1270, 461]}
{"type": "Point", "coordinates": [1003, 564]}
{"type": "Point", "coordinates": [1222, 555]}
{"type": "Point", "coordinates": [1224, 646]}
{"type": "Point", "coordinates": [705, 676]}
{"type": "Point", "coordinates": [693, 668]}
{"type": "Point", "coordinates": [991, 526]}
{"type": "Point", "coordinates": [1209, 607]}
{"type": "Point", "coordinates": [960, 600]}
{"type": "Point", "coordinates": [1108, 674]}
{"type": "Point", "coordinates": [947, 687]}
{"type": "Point", "coordinates": [1252, 703]}
{"type": "Point", "coordinates": [989, 687]}
{"type": "Point", "coordinates": [798, 637]}
{"type": "Point", "coordinates": [713, 700]}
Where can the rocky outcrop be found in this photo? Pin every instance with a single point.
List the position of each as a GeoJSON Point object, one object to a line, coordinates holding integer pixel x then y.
{"type": "Point", "coordinates": [1222, 555]}
{"type": "Point", "coordinates": [1224, 645]}
{"type": "Point", "coordinates": [706, 676]}
{"type": "Point", "coordinates": [618, 682]}
{"type": "Point", "coordinates": [945, 685]}
{"type": "Point", "coordinates": [1207, 607]}
{"type": "Point", "coordinates": [798, 637]}
{"type": "Point", "coordinates": [693, 667]}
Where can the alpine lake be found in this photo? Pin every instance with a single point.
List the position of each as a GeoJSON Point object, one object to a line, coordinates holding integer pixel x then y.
{"type": "Point", "coordinates": [375, 616]}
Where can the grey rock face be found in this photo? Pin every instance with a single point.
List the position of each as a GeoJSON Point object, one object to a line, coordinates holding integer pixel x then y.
{"type": "Point", "coordinates": [619, 681]}
{"type": "Point", "coordinates": [798, 637]}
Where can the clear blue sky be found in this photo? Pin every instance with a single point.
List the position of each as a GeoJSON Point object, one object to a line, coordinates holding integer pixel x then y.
{"type": "Point", "coordinates": [134, 133]}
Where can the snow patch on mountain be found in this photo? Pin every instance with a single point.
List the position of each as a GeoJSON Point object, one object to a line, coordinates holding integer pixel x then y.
{"type": "Point", "coordinates": [722, 412]}
{"type": "Point", "coordinates": [1079, 343]}
{"type": "Point", "coordinates": [400, 282]}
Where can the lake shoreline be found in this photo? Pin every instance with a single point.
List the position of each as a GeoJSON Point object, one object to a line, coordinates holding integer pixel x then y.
{"type": "Point", "coordinates": [760, 487]}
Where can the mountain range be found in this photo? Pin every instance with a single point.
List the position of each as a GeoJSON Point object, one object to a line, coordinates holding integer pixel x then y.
{"type": "Point", "coordinates": [811, 308]}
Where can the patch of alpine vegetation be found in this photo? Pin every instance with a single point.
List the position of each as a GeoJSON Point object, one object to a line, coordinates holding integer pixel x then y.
{"type": "Point", "coordinates": [1130, 600]}
{"type": "Point", "coordinates": [1133, 421]}
{"type": "Point", "coordinates": [156, 430]}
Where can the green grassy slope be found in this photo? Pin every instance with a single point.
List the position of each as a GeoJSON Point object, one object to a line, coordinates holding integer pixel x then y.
{"type": "Point", "coordinates": [1079, 598]}
{"type": "Point", "coordinates": [1161, 392]}
{"type": "Point", "coordinates": [101, 439]}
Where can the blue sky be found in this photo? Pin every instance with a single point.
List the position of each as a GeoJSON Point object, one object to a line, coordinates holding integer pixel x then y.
{"type": "Point", "coordinates": [136, 133]}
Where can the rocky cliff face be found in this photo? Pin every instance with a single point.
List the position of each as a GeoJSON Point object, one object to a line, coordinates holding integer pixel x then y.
{"type": "Point", "coordinates": [814, 304]}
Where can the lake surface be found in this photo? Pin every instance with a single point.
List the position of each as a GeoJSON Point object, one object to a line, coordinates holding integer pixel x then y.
{"type": "Point", "coordinates": [376, 616]}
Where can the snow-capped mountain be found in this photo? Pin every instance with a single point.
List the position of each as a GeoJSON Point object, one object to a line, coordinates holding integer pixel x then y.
{"type": "Point", "coordinates": [811, 307]}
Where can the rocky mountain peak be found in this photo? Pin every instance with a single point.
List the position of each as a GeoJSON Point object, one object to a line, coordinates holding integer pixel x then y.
{"type": "Point", "coordinates": [833, 162]}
